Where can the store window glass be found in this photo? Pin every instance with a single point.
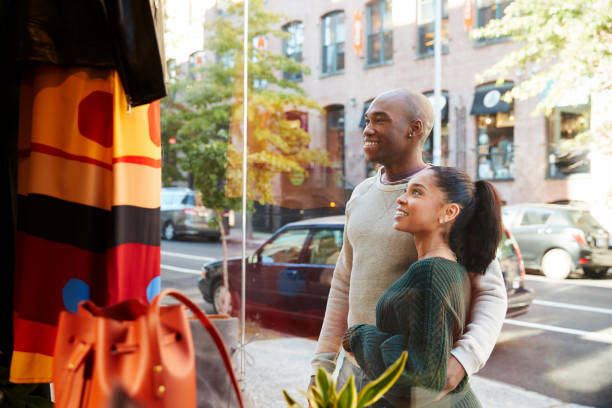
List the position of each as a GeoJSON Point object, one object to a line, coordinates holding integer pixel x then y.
{"type": "Point", "coordinates": [495, 141]}
{"type": "Point", "coordinates": [567, 153]}
{"type": "Point", "coordinates": [494, 132]}
{"type": "Point", "coordinates": [426, 26]}
{"type": "Point", "coordinates": [380, 32]}
{"type": "Point", "coordinates": [428, 146]}
{"type": "Point", "coordinates": [292, 47]}
{"type": "Point", "coordinates": [333, 43]}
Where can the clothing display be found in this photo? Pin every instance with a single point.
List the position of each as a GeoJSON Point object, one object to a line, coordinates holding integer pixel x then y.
{"type": "Point", "coordinates": [88, 224]}
{"type": "Point", "coordinates": [424, 313]}
{"type": "Point", "coordinates": [373, 257]}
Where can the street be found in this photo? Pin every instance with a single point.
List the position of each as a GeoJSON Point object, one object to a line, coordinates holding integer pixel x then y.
{"type": "Point", "coordinates": [562, 347]}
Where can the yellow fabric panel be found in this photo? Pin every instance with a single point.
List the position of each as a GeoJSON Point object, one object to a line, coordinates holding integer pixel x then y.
{"type": "Point", "coordinates": [31, 368]}
{"type": "Point", "coordinates": [136, 185]}
{"type": "Point", "coordinates": [68, 180]}
{"type": "Point", "coordinates": [133, 126]}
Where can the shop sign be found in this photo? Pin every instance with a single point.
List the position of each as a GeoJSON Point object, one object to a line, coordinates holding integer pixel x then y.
{"type": "Point", "coordinates": [261, 43]}
{"type": "Point", "coordinates": [297, 178]}
{"type": "Point", "coordinates": [491, 98]}
{"type": "Point", "coordinates": [357, 32]}
{"type": "Point", "coordinates": [468, 12]}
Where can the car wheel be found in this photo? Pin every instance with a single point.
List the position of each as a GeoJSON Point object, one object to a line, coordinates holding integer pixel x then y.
{"type": "Point", "coordinates": [169, 232]}
{"type": "Point", "coordinates": [596, 273]}
{"type": "Point", "coordinates": [215, 294]}
{"type": "Point", "coordinates": [557, 264]}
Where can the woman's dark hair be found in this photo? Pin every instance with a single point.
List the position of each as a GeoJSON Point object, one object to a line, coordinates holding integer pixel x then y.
{"type": "Point", "coordinates": [477, 230]}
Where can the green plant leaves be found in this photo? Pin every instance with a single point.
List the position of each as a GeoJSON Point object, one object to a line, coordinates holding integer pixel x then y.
{"type": "Point", "coordinates": [347, 397]}
{"type": "Point", "coordinates": [377, 388]}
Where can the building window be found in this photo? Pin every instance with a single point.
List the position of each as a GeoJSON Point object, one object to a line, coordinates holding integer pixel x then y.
{"type": "Point", "coordinates": [495, 132]}
{"type": "Point", "coordinates": [380, 32]}
{"type": "Point", "coordinates": [428, 146]}
{"type": "Point", "coordinates": [426, 26]}
{"type": "Point", "coordinates": [335, 142]}
{"type": "Point", "coordinates": [292, 47]}
{"type": "Point", "coordinates": [490, 10]}
{"type": "Point", "coordinates": [333, 42]}
{"type": "Point", "coordinates": [567, 154]}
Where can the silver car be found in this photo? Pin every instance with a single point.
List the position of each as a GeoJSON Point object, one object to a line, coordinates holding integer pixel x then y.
{"type": "Point", "coordinates": [182, 214]}
{"type": "Point", "coordinates": [559, 240]}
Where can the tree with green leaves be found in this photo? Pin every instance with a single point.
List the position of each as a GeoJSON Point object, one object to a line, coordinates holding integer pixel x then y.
{"type": "Point", "coordinates": [206, 116]}
{"type": "Point", "coordinates": [564, 46]}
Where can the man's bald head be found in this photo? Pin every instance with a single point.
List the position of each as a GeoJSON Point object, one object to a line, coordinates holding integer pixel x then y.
{"type": "Point", "coordinates": [415, 107]}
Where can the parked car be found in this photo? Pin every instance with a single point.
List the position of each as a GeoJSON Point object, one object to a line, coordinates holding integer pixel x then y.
{"type": "Point", "coordinates": [289, 276]}
{"type": "Point", "coordinates": [559, 239]}
{"type": "Point", "coordinates": [183, 214]}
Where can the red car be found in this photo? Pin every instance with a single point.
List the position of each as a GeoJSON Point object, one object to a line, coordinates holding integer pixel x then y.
{"type": "Point", "coordinates": [289, 276]}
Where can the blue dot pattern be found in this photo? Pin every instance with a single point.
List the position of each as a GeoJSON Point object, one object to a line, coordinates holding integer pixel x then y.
{"type": "Point", "coordinates": [74, 291]}
{"type": "Point", "coordinates": [153, 288]}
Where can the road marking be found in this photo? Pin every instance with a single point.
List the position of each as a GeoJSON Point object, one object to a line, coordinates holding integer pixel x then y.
{"type": "Point", "coordinates": [594, 336]}
{"type": "Point", "coordinates": [185, 256]}
{"type": "Point", "coordinates": [597, 283]}
{"type": "Point", "coordinates": [179, 269]}
{"type": "Point", "coordinates": [572, 306]}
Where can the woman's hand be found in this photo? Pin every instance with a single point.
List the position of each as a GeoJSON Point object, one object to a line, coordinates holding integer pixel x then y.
{"type": "Point", "coordinates": [454, 374]}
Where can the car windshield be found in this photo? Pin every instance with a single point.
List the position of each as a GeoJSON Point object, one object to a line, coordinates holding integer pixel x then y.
{"type": "Point", "coordinates": [584, 219]}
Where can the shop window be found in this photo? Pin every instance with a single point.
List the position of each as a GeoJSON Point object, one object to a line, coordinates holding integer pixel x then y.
{"type": "Point", "coordinates": [566, 154]}
{"type": "Point", "coordinates": [428, 146]}
{"type": "Point", "coordinates": [495, 132]}
{"type": "Point", "coordinates": [495, 141]}
{"type": "Point", "coordinates": [426, 26]}
{"type": "Point", "coordinates": [380, 32]}
{"type": "Point", "coordinates": [333, 43]}
{"type": "Point", "coordinates": [292, 47]}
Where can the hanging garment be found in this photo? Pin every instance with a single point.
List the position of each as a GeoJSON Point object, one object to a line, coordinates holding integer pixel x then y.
{"type": "Point", "coordinates": [89, 178]}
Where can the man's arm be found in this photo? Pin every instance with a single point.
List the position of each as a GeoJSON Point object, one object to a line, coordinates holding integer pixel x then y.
{"type": "Point", "coordinates": [488, 309]}
{"type": "Point", "coordinates": [336, 312]}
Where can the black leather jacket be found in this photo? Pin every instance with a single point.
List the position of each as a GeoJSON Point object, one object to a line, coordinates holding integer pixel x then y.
{"type": "Point", "coordinates": [117, 34]}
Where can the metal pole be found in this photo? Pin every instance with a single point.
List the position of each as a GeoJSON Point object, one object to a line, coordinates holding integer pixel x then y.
{"type": "Point", "coordinates": [437, 139]}
{"type": "Point", "coordinates": [245, 82]}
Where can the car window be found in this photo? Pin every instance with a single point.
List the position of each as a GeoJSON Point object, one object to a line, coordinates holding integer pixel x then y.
{"type": "Point", "coordinates": [325, 247]}
{"type": "Point", "coordinates": [535, 217]}
{"type": "Point", "coordinates": [285, 248]}
{"type": "Point", "coordinates": [508, 215]}
{"type": "Point", "coordinates": [584, 219]}
{"type": "Point", "coordinates": [188, 200]}
{"type": "Point", "coordinates": [558, 219]}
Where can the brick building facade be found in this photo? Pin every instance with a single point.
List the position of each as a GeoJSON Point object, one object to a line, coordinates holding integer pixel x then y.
{"type": "Point", "coordinates": [524, 155]}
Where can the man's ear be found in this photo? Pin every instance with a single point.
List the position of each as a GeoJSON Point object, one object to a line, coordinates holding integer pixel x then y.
{"type": "Point", "coordinates": [416, 127]}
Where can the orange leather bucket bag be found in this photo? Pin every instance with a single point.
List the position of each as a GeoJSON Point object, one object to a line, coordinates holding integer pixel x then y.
{"type": "Point", "coordinates": [146, 350]}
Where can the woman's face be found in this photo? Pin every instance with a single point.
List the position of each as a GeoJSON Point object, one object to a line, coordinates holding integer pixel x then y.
{"type": "Point", "coordinates": [421, 206]}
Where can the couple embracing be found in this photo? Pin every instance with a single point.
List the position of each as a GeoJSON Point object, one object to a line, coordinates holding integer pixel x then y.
{"type": "Point", "coordinates": [417, 270]}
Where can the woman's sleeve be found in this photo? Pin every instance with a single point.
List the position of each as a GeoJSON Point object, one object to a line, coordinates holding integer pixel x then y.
{"type": "Point", "coordinates": [426, 323]}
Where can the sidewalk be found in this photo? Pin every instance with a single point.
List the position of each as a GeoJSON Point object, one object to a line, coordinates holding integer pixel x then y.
{"type": "Point", "coordinates": [274, 365]}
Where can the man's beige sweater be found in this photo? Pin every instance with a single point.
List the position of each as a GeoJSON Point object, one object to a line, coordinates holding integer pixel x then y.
{"type": "Point", "coordinates": [373, 257]}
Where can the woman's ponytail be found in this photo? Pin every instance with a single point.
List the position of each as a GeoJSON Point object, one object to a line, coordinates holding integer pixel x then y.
{"type": "Point", "coordinates": [477, 230]}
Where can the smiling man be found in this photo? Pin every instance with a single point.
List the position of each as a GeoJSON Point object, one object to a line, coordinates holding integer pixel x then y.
{"type": "Point", "coordinates": [374, 255]}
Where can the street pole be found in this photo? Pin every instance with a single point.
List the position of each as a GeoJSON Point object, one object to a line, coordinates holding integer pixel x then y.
{"type": "Point", "coordinates": [245, 83]}
{"type": "Point", "coordinates": [437, 139]}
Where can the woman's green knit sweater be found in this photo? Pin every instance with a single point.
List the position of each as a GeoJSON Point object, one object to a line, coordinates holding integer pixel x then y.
{"type": "Point", "coordinates": [423, 312]}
